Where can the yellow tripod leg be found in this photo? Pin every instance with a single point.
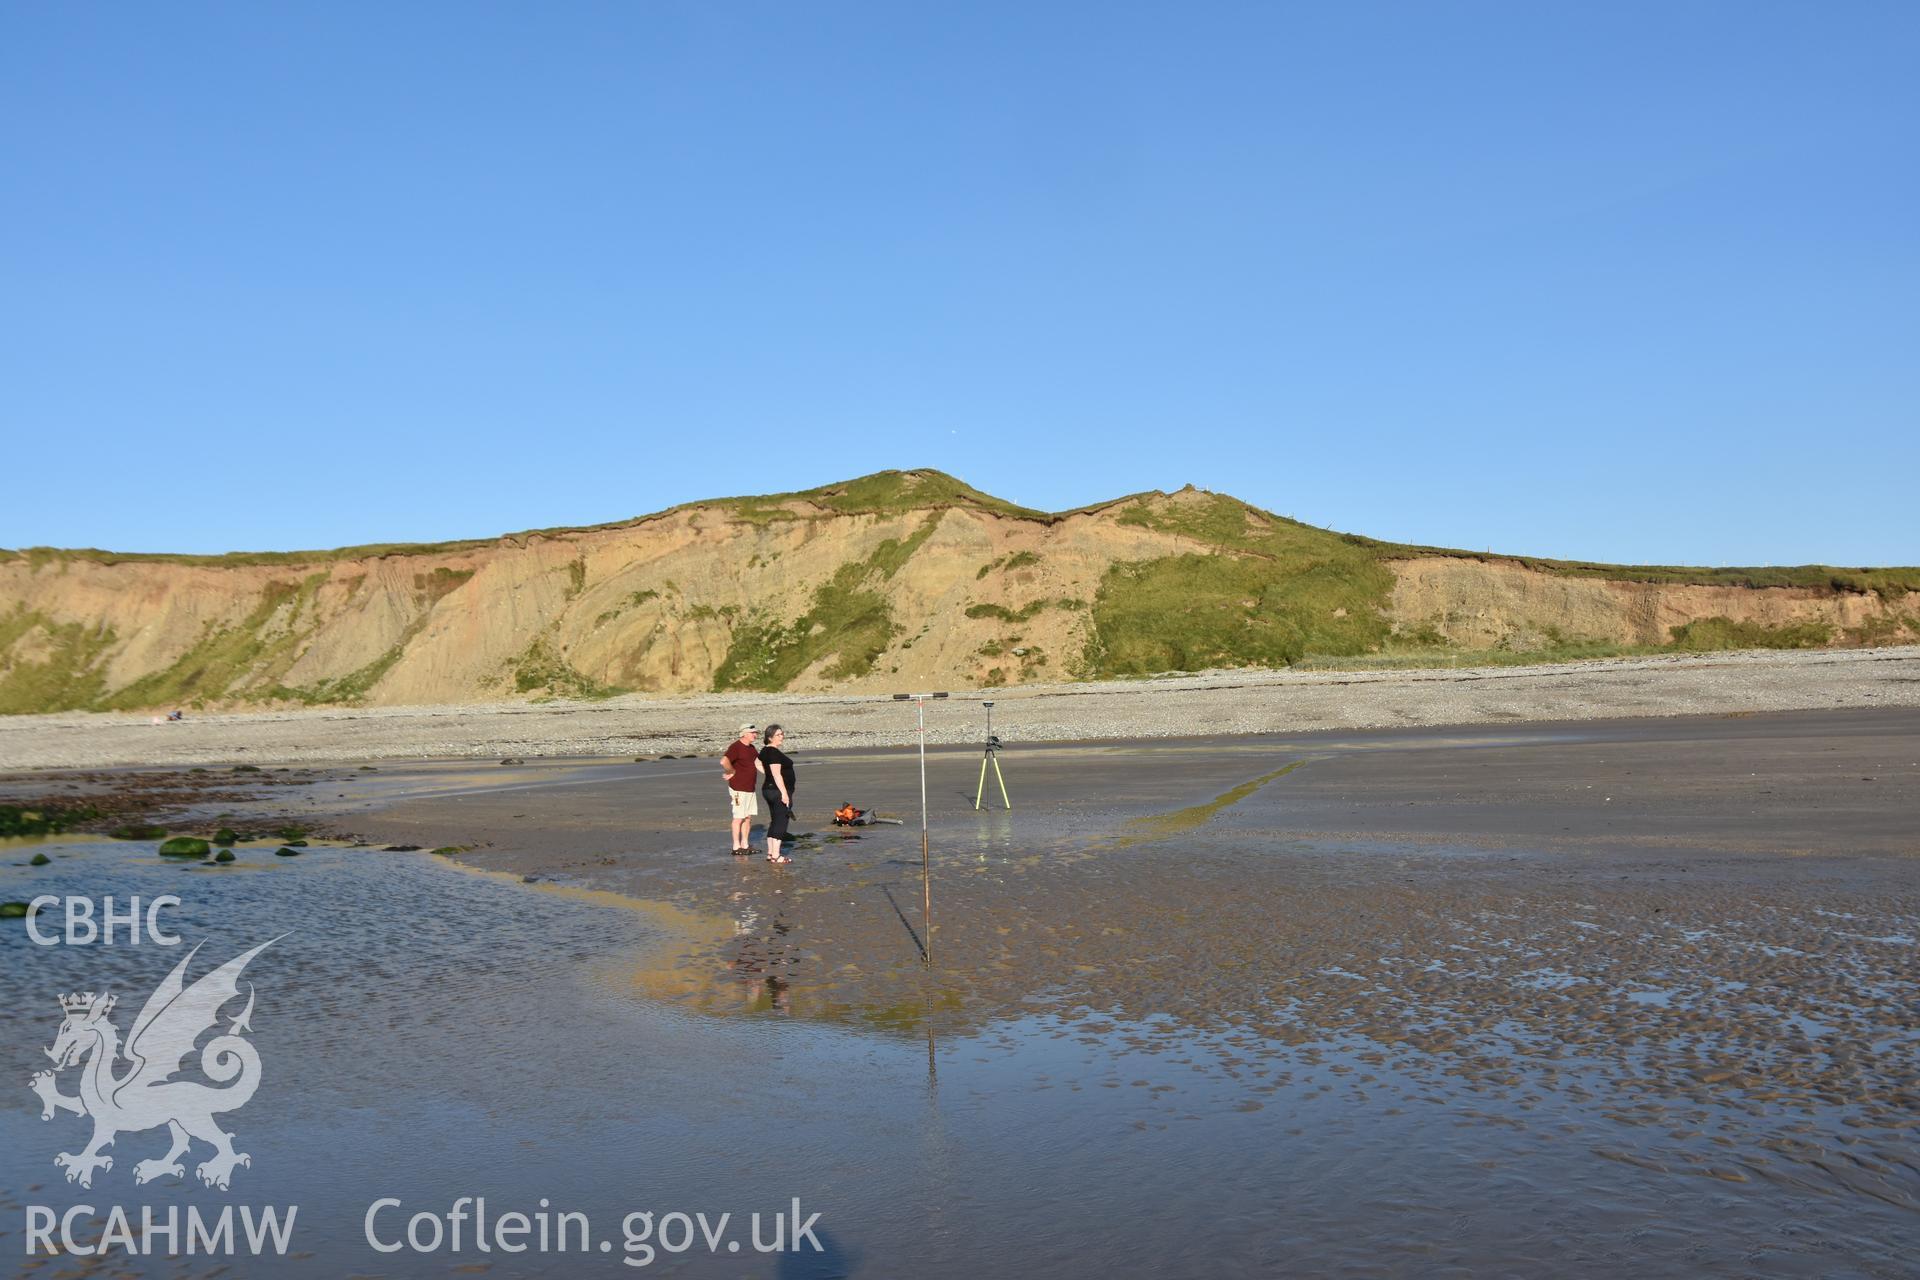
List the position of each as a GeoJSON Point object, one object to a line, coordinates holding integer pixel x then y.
{"type": "Point", "coordinates": [981, 790]}
{"type": "Point", "coordinates": [1001, 778]}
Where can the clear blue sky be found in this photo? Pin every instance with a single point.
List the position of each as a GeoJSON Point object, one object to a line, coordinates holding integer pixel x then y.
{"type": "Point", "coordinates": [1616, 281]}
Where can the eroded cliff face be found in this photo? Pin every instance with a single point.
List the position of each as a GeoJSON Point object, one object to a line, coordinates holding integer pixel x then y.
{"type": "Point", "coordinates": [801, 593]}
{"type": "Point", "coordinates": [1493, 604]}
{"type": "Point", "coordinates": [659, 606]}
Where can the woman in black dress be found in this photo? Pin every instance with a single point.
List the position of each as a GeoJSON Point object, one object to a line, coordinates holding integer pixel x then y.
{"type": "Point", "coordinates": [778, 790]}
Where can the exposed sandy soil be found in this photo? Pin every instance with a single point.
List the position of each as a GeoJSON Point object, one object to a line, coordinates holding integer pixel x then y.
{"type": "Point", "coordinates": [1220, 702]}
{"type": "Point", "coordinates": [1487, 604]}
{"type": "Point", "coordinates": [649, 605]}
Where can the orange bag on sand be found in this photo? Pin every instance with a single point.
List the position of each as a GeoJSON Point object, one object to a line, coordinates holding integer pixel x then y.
{"type": "Point", "coordinates": [846, 815]}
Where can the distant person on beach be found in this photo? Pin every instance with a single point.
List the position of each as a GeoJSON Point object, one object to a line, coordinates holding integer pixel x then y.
{"type": "Point", "coordinates": [741, 765]}
{"type": "Point", "coordinates": [778, 789]}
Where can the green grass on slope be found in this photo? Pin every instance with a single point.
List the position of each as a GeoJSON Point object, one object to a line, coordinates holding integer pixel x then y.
{"type": "Point", "coordinates": [428, 589]}
{"type": "Point", "coordinates": [1714, 634]}
{"type": "Point", "coordinates": [352, 687]}
{"type": "Point", "coordinates": [1277, 592]}
{"type": "Point", "coordinates": [1274, 592]}
{"type": "Point", "coordinates": [849, 620]}
{"type": "Point", "coordinates": [884, 493]}
{"type": "Point", "coordinates": [228, 656]}
{"type": "Point", "coordinates": [247, 659]}
{"type": "Point", "coordinates": [65, 677]}
{"type": "Point", "coordinates": [540, 670]}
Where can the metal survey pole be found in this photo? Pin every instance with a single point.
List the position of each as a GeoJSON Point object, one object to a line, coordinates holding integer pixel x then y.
{"type": "Point", "coordinates": [919, 701]}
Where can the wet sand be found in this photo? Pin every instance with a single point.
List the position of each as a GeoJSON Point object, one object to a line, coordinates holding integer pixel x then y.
{"type": "Point", "coordinates": [1634, 997]}
{"type": "Point", "coordinates": [1114, 841]}
{"type": "Point", "coordinates": [1686, 947]}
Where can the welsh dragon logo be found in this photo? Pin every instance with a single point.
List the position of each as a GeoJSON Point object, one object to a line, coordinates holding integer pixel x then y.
{"type": "Point", "coordinates": [145, 1096]}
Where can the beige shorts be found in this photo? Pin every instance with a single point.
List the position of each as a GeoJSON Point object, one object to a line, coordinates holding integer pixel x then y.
{"type": "Point", "coordinates": [745, 804]}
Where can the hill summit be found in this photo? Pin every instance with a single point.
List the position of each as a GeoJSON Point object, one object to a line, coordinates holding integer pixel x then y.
{"type": "Point", "coordinates": [901, 577]}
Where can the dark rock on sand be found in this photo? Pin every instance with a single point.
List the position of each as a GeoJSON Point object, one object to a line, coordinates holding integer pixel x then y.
{"type": "Point", "coordinates": [41, 820]}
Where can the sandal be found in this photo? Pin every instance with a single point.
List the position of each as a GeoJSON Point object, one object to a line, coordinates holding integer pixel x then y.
{"type": "Point", "coordinates": [782, 860]}
{"type": "Point", "coordinates": [741, 853]}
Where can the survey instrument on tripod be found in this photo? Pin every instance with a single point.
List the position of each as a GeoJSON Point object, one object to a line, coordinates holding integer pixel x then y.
{"type": "Point", "coordinates": [991, 757]}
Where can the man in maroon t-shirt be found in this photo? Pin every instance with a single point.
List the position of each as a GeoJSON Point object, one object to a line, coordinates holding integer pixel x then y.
{"type": "Point", "coordinates": [741, 763]}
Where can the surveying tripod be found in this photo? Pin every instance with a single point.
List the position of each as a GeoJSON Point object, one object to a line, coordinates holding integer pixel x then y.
{"type": "Point", "coordinates": [991, 757]}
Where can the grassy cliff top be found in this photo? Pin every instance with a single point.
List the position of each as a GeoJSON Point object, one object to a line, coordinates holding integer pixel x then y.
{"type": "Point", "coordinates": [882, 493]}
{"type": "Point", "coordinates": [1217, 520]}
{"type": "Point", "coordinates": [1233, 525]}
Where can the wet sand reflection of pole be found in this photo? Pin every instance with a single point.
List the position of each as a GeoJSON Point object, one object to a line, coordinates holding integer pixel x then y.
{"type": "Point", "coordinates": [919, 701]}
{"type": "Point", "coordinates": [933, 1075]}
{"type": "Point", "coordinates": [913, 933]}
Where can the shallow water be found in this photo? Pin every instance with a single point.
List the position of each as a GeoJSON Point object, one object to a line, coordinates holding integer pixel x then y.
{"type": "Point", "coordinates": [430, 1033]}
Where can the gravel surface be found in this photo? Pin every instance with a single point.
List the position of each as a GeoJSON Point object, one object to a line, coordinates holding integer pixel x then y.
{"type": "Point", "coordinates": [1179, 706]}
